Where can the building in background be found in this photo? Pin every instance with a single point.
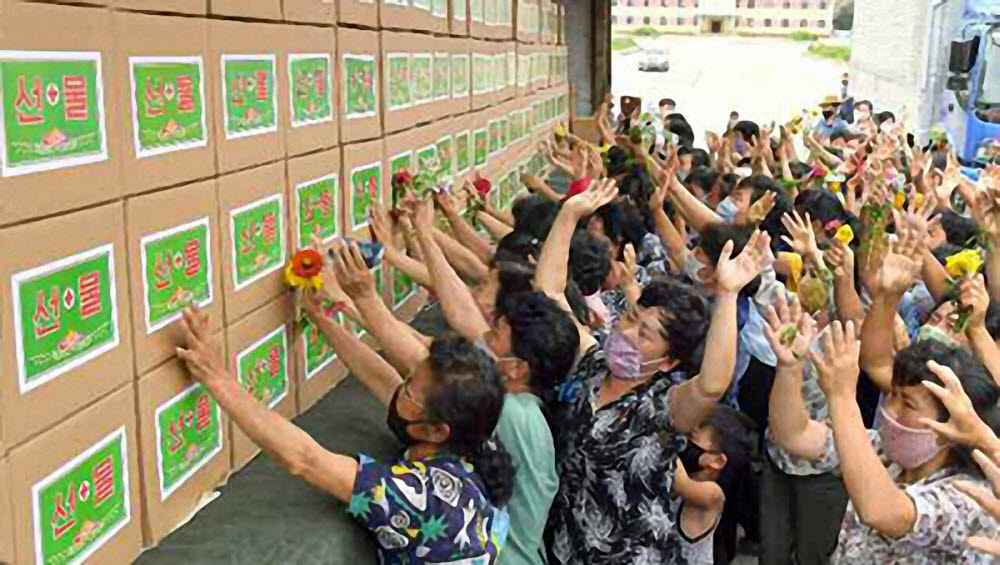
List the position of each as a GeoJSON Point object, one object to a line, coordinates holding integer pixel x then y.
{"type": "Point", "coordinates": [744, 17]}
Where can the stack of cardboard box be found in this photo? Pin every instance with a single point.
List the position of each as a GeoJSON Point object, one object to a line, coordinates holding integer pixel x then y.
{"type": "Point", "coordinates": [159, 153]}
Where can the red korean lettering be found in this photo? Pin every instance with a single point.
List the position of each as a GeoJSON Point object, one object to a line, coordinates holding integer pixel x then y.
{"type": "Point", "coordinates": [325, 202]}
{"type": "Point", "coordinates": [262, 90]}
{"type": "Point", "coordinates": [89, 286]}
{"type": "Point", "coordinates": [75, 106]}
{"type": "Point", "coordinates": [161, 272]}
{"type": "Point", "coordinates": [176, 441]}
{"type": "Point", "coordinates": [239, 90]}
{"type": "Point", "coordinates": [104, 481]}
{"type": "Point", "coordinates": [154, 97]}
{"type": "Point", "coordinates": [185, 94]}
{"type": "Point", "coordinates": [270, 228]}
{"type": "Point", "coordinates": [192, 257]}
{"type": "Point", "coordinates": [274, 362]}
{"type": "Point", "coordinates": [28, 105]}
{"type": "Point", "coordinates": [63, 513]}
{"type": "Point", "coordinates": [319, 77]}
{"type": "Point", "coordinates": [203, 413]}
{"type": "Point", "coordinates": [48, 313]}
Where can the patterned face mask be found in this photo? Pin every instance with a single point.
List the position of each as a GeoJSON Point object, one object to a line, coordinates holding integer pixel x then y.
{"type": "Point", "coordinates": [907, 447]}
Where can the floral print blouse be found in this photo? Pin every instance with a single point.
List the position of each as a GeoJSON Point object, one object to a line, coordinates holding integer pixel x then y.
{"type": "Point", "coordinates": [617, 467]}
{"type": "Point", "coordinates": [431, 511]}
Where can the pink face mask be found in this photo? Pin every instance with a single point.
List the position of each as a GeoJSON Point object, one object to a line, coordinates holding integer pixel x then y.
{"type": "Point", "coordinates": [624, 359]}
{"type": "Point", "coordinates": [907, 447]}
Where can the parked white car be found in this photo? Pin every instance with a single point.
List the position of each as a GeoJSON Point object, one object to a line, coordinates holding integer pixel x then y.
{"type": "Point", "coordinates": [655, 60]}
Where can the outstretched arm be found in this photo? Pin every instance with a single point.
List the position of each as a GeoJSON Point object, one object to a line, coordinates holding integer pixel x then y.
{"type": "Point", "coordinates": [464, 233]}
{"type": "Point", "coordinates": [291, 447]}
{"type": "Point", "coordinates": [459, 256]}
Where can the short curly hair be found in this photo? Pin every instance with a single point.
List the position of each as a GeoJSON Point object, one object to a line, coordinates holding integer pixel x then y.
{"type": "Point", "coordinates": [589, 261]}
{"type": "Point", "coordinates": [544, 336]}
{"type": "Point", "coordinates": [684, 315]}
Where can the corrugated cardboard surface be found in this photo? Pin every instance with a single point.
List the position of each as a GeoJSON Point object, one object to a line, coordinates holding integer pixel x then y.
{"type": "Point", "coordinates": [310, 11]}
{"type": "Point", "coordinates": [236, 190]}
{"type": "Point", "coordinates": [241, 38]}
{"type": "Point", "coordinates": [353, 157]}
{"type": "Point", "coordinates": [358, 12]}
{"type": "Point", "coordinates": [32, 245]}
{"type": "Point", "coordinates": [44, 27]}
{"type": "Point", "coordinates": [161, 516]}
{"type": "Point", "coordinates": [365, 43]}
{"type": "Point", "coordinates": [139, 35]}
{"type": "Point", "coordinates": [154, 213]}
{"type": "Point", "coordinates": [310, 390]}
{"type": "Point", "coordinates": [395, 16]}
{"type": "Point", "coordinates": [45, 454]}
{"type": "Point", "coordinates": [459, 20]}
{"type": "Point", "coordinates": [304, 170]}
{"type": "Point", "coordinates": [239, 337]}
{"type": "Point", "coordinates": [195, 7]}
{"type": "Point", "coordinates": [6, 514]}
{"type": "Point", "coordinates": [313, 41]}
{"type": "Point", "coordinates": [259, 9]}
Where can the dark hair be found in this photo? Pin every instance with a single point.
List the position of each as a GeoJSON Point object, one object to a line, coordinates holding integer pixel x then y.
{"type": "Point", "coordinates": [667, 101]}
{"type": "Point", "coordinates": [684, 315]}
{"type": "Point", "coordinates": [747, 129]}
{"type": "Point", "coordinates": [865, 103]}
{"type": "Point", "coordinates": [715, 237]}
{"type": "Point", "coordinates": [699, 158]}
{"type": "Point", "coordinates": [840, 134]}
{"type": "Point", "coordinates": [945, 250]}
{"type": "Point", "coordinates": [799, 169]}
{"type": "Point", "coordinates": [544, 336]}
{"type": "Point", "coordinates": [577, 303]}
{"type": "Point", "coordinates": [468, 396]}
{"type": "Point", "coordinates": [535, 216]}
{"type": "Point", "coordinates": [624, 223]}
{"type": "Point", "coordinates": [993, 319]}
{"type": "Point", "coordinates": [733, 433]}
{"type": "Point", "coordinates": [909, 368]}
{"type": "Point", "coordinates": [514, 278]}
{"type": "Point", "coordinates": [958, 229]}
{"type": "Point", "coordinates": [616, 161]}
{"type": "Point", "coordinates": [729, 182]}
{"type": "Point", "coordinates": [883, 117]}
{"type": "Point", "coordinates": [589, 261]}
{"type": "Point", "coordinates": [822, 206]}
{"type": "Point", "coordinates": [679, 126]}
{"type": "Point", "coordinates": [517, 246]}
{"type": "Point", "coordinates": [702, 177]}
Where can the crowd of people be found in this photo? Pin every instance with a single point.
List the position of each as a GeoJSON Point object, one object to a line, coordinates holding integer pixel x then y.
{"type": "Point", "coordinates": [788, 337]}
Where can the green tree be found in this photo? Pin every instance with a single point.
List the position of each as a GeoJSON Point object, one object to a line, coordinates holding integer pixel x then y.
{"type": "Point", "coordinates": [843, 15]}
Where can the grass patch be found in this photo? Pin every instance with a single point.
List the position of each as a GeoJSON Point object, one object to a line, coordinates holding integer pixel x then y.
{"type": "Point", "coordinates": [803, 36]}
{"type": "Point", "coordinates": [836, 52]}
{"type": "Point", "coordinates": [622, 43]}
{"type": "Point", "coordinates": [646, 31]}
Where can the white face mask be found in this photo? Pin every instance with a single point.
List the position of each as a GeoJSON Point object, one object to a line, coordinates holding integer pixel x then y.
{"type": "Point", "coordinates": [728, 210]}
{"type": "Point", "coordinates": [692, 268]}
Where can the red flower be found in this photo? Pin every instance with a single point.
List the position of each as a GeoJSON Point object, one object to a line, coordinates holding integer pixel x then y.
{"type": "Point", "coordinates": [401, 179]}
{"type": "Point", "coordinates": [307, 263]}
{"type": "Point", "coordinates": [578, 186]}
{"type": "Point", "coordinates": [372, 187]}
{"type": "Point", "coordinates": [483, 187]}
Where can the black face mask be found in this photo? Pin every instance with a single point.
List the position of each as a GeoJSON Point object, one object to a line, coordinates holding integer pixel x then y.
{"type": "Point", "coordinates": [398, 425]}
{"type": "Point", "coordinates": [690, 456]}
{"type": "Point", "coordinates": [827, 114]}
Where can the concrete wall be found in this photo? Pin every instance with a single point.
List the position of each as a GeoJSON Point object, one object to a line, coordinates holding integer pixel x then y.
{"type": "Point", "coordinates": [585, 30]}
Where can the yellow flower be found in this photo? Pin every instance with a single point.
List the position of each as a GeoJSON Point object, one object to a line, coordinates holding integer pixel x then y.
{"type": "Point", "coordinates": [794, 262]}
{"type": "Point", "coordinates": [899, 201]}
{"type": "Point", "coordinates": [304, 270]}
{"type": "Point", "coordinates": [561, 130]}
{"type": "Point", "coordinates": [844, 234]}
{"type": "Point", "coordinates": [835, 187]}
{"type": "Point", "coordinates": [964, 263]}
{"type": "Point", "coordinates": [918, 201]}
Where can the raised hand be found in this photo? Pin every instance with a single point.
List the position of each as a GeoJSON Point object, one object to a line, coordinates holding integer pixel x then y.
{"type": "Point", "coordinates": [200, 353]}
{"type": "Point", "coordinates": [837, 364]}
{"type": "Point", "coordinates": [988, 500]}
{"type": "Point", "coordinates": [964, 426]}
{"type": "Point", "coordinates": [381, 226]}
{"type": "Point", "coordinates": [588, 201]}
{"type": "Point", "coordinates": [732, 274]}
{"type": "Point", "coordinates": [423, 216]}
{"type": "Point", "coordinates": [951, 176]}
{"type": "Point", "coordinates": [762, 207]}
{"type": "Point", "coordinates": [354, 275]}
{"type": "Point", "coordinates": [803, 238]}
{"type": "Point", "coordinates": [788, 331]}
{"type": "Point", "coordinates": [902, 260]}
{"type": "Point", "coordinates": [972, 294]}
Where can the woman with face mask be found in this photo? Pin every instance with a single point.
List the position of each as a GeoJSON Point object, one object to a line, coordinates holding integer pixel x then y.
{"type": "Point", "coordinates": [901, 477]}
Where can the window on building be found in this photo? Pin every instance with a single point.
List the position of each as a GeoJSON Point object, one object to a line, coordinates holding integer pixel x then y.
{"type": "Point", "coordinates": [805, 4]}
{"type": "Point", "coordinates": [663, 3]}
{"type": "Point", "coordinates": [645, 3]}
{"type": "Point", "coordinates": [663, 21]}
{"type": "Point", "coordinates": [784, 23]}
{"type": "Point", "coordinates": [614, 20]}
{"type": "Point", "coordinates": [786, 5]}
{"type": "Point", "coordinates": [821, 23]}
{"type": "Point", "coordinates": [645, 20]}
{"type": "Point", "coordinates": [822, 5]}
{"type": "Point", "coordinates": [629, 20]}
{"type": "Point", "coordinates": [680, 21]}
{"type": "Point", "coordinates": [680, 3]}
{"type": "Point", "coordinates": [751, 4]}
{"type": "Point", "coordinates": [750, 22]}
{"type": "Point", "coordinates": [767, 22]}
{"type": "Point", "coordinates": [738, 2]}
{"type": "Point", "coordinates": [804, 23]}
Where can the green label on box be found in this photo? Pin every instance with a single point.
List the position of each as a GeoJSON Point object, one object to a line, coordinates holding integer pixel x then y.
{"type": "Point", "coordinates": [427, 159]}
{"type": "Point", "coordinates": [458, 10]}
{"type": "Point", "coordinates": [53, 111]}
{"type": "Point", "coordinates": [317, 353]}
{"type": "Point", "coordinates": [400, 162]}
{"type": "Point", "coordinates": [496, 137]}
{"type": "Point", "coordinates": [476, 10]}
{"type": "Point", "coordinates": [421, 71]}
{"type": "Point", "coordinates": [481, 145]}
{"type": "Point", "coordinates": [511, 68]}
{"type": "Point", "coordinates": [257, 231]}
{"type": "Point", "coordinates": [499, 71]}
{"type": "Point", "coordinates": [439, 8]}
{"type": "Point", "coordinates": [251, 93]}
{"type": "Point", "coordinates": [262, 368]}
{"type": "Point", "coordinates": [399, 80]}
{"type": "Point", "coordinates": [445, 154]}
{"type": "Point", "coordinates": [366, 188]}
{"type": "Point", "coordinates": [64, 314]}
{"type": "Point", "coordinates": [168, 104]}
{"type": "Point", "coordinates": [481, 80]}
{"type": "Point", "coordinates": [463, 151]}
{"type": "Point", "coordinates": [317, 207]}
{"type": "Point", "coordinates": [176, 272]}
{"type": "Point", "coordinates": [505, 138]}
{"type": "Point", "coordinates": [459, 76]}
{"type": "Point", "coordinates": [310, 91]}
{"type": "Point", "coordinates": [188, 435]}
{"type": "Point", "coordinates": [360, 86]}
{"type": "Point", "coordinates": [422, 4]}
{"type": "Point", "coordinates": [83, 504]}
{"type": "Point", "coordinates": [403, 288]}
{"type": "Point", "coordinates": [490, 12]}
{"type": "Point", "coordinates": [442, 76]}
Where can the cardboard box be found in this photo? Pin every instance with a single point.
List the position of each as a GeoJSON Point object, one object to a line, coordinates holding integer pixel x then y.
{"type": "Point", "coordinates": [408, 79]}
{"type": "Point", "coordinates": [253, 212]}
{"type": "Point", "coordinates": [527, 15]}
{"type": "Point", "coordinates": [359, 58]}
{"type": "Point", "coordinates": [259, 356]}
{"type": "Point", "coordinates": [308, 64]}
{"type": "Point", "coordinates": [75, 488]}
{"type": "Point", "coordinates": [459, 10]}
{"type": "Point", "coordinates": [6, 514]}
{"type": "Point", "coordinates": [65, 314]}
{"type": "Point", "coordinates": [491, 19]}
{"type": "Point", "coordinates": [310, 11]}
{"type": "Point", "coordinates": [421, 15]}
{"type": "Point", "coordinates": [358, 12]}
{"type": "Point", "coordinates": [65, 154]}
{"type": "Point", "coordinates": [247, 120]}
{"type": "Point", "coordinates": [314, 198]}
{"type": "Point", "coordinates": [195, 7]}
{"type": "Point", "coordinates": [461, 75]}
{"type": "Point", "coordinates": [174, 260]}
{"type": "Point", "coordinates": [256, 9]}
{"type": "Point", "coordinates": [317, 368]}
{"type": "Point", "coordinates": [183, 446]}
{"type": "Point", "coordinates": [364, 172]}
{"type": "Point", "coordinates": [441, 49]}
{"type": "Point", "coordinates": [166, 85]}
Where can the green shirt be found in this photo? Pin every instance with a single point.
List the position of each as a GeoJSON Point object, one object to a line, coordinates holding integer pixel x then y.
{"type": "Point", "coordinates": [526, 436]}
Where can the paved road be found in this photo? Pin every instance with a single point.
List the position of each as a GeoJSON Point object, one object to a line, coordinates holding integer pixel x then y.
{"type": "Point", "coordinates": [762, 79]}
